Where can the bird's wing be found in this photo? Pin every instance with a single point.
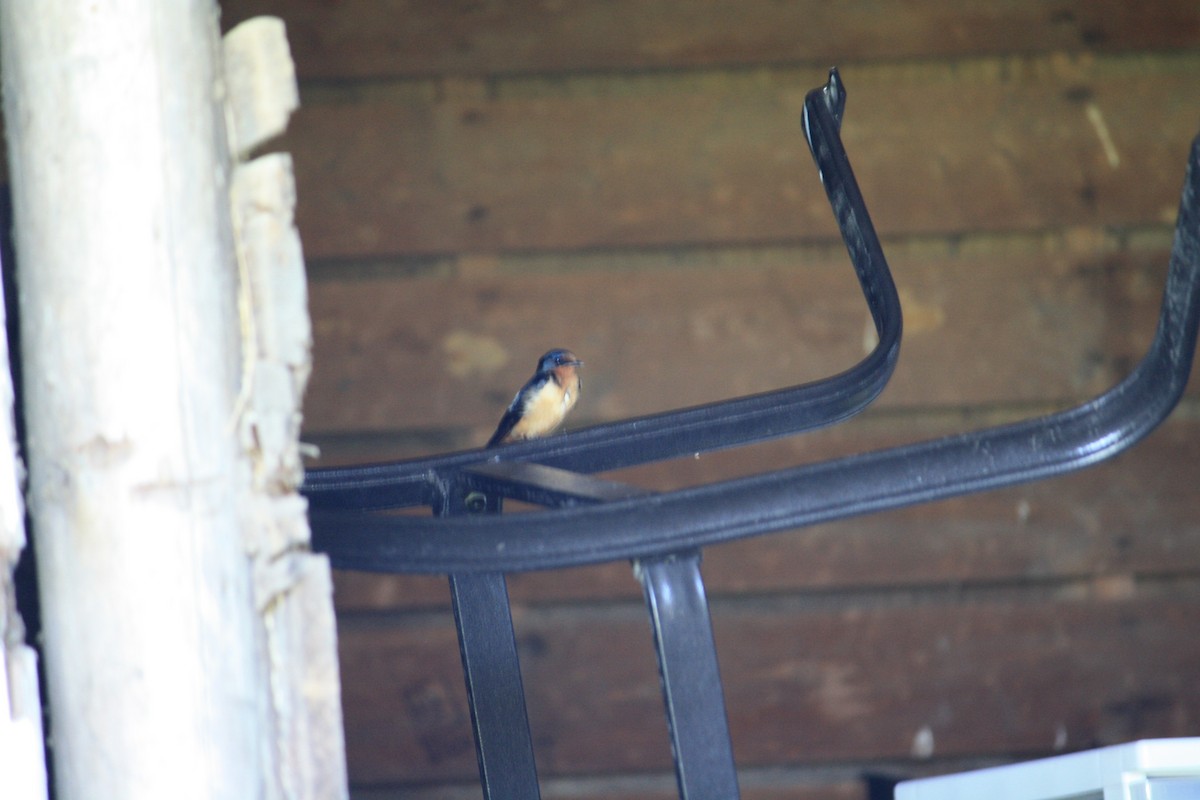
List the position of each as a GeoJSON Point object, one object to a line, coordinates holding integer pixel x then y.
{"type": "Point", "coordinates": [511, 417]}
{"type": "Point", "coordinates": [515, 410]}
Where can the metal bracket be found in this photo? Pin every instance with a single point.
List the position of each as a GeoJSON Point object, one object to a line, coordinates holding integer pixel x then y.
{"type": "Point", "coordinates": [594, 521]}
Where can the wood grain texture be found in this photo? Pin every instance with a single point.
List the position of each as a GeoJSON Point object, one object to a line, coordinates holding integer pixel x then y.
{"type": "Point", "coordinates": [479, 182]}
{"type": "Point", "coordinates": [402, 353]}
{"type": "Point", "coordinates": [845, 784]}
{"type": "Point", "coordinates": [710, 158]}
{"type": "Point", "coordinates": [804, 683]}
{"type": "Point", "coordinates": [372, 39]}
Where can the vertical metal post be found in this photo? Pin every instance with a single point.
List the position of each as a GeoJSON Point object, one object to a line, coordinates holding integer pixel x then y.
{"type": "Point", "coordinates": [492, 670]}
{"type": "Point", "coordinates": [691, 680]}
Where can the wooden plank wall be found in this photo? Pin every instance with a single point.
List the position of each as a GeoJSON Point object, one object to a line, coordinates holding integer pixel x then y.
{"type": "Point", "coordinates": [480, 181]}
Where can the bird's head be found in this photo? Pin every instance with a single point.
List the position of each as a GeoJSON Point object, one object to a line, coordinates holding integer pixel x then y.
{"type": "Point", "coordinates": [557, 359]}
{"type": "Point", "coordinates": [562, 364]}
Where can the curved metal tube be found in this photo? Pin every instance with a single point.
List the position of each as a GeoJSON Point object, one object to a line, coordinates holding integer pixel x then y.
{"type": "Point", "coordinates": [795, 497]}
{"type": "Point", "coordinates": [693, 430]}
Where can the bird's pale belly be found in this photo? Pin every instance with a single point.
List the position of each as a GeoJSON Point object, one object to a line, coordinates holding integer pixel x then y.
{"type": "Point", "coordinates": [544, 413]}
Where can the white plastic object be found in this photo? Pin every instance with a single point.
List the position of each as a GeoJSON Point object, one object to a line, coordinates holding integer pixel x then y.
{"type": "Point", "coordinates": [1151, 769]}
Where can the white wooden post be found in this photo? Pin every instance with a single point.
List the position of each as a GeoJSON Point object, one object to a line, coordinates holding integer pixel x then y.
{"type": "Point", "coordinates": [171, 544]}
{"type": "Point", "coordinates": [22, 766]}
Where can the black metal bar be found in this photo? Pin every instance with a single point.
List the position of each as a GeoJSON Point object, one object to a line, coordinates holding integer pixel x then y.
{"type": "Point", "coordinates": [544, 486]}
{"type": "Point", "coordinates": [691, 679]}
{"type": "Point", "coordinates": [497, 698]}
{"type": "Point", "coordinates": [492, 670]}
{"type": "Point", "coordinates": [680, 623]}
{"type": "Point", "coordinates": [693, 430]}
{"type": "Point", "coordinates": [599, 521]}
{"type": "Point", "coordinates": [799, 496]}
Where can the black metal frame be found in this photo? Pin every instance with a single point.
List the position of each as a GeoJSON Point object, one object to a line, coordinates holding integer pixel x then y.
{"type": "Point", "coordinates": [592, 521]}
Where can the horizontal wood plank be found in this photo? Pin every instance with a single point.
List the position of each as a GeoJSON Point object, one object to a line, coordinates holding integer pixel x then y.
{"type": "Point", "coordinates": [804, 684]}
{"type": "Point", "coordinates": [713, 158]}
{"type": "Point", "coordinates": [774, 785]}
{"type": "Point", "coordinates": [1136, 515]}
{"type": "Point", "coordinates": [481, 181]}
{"type": "Point", "coordinates": [398, 353]}
{"type": "Point", "coordinates": [372, 39]}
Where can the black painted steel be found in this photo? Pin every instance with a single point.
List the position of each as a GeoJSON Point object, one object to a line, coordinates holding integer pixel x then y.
{"type": "Point", "coordinates": [679, 621]}
{"type": "Point", "coordinates": [693, 430]}
{"type": "Point", "coordinates": [691, 680]}
{"type": "Point", "coordinates": [544, 486]}
{"type": "Point", "coordinates": [492, 671]}
{"type": "Point", "coordinates": [594, 521]}
{"type": "Point", "coordinates": [790, 498]}
{"type": "Point", "coordinates": [503, 745]}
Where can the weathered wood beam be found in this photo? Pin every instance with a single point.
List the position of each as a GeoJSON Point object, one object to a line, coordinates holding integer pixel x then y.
{"type": "Point", "coordinates": [164, 363]}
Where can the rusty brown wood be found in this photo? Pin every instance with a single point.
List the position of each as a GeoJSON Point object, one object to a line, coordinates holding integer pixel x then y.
{"type": "Point", "coordinates": [399, 353]}
{"type": "Point", "coordinates": [372, 39]}
{"type": "Point", "coordinates": [806, 682]}
{"type": "Point", "coordinates": [713, 158]}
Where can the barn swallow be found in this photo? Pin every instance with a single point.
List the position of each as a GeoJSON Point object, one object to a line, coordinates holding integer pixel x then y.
{"type": "Point", "coordinates": [544, 401]}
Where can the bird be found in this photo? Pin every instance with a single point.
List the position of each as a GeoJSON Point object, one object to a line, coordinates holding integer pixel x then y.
{"type": "Point", "coordinates": [543, 401]}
